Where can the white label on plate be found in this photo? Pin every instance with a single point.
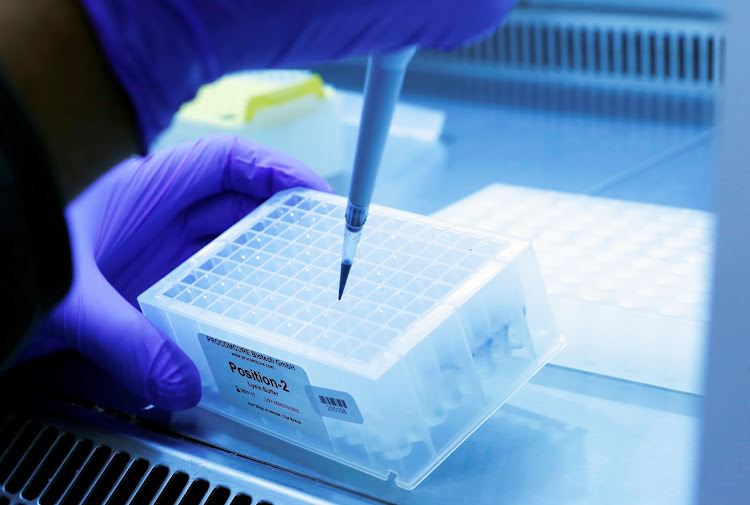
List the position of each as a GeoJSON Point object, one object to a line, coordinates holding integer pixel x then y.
{"type": "Point", "coordinates": [273, 388]}
{"type": "Point", "coordinates": [335, 404]}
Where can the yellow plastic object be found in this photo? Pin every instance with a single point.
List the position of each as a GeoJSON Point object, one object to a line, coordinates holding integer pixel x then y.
{"type": "Point", "coordinates": [292, 111]}
{"type": "Point", "coordinates": [234, 100]}
{"type": "Point", "coordinates": [312, 86]}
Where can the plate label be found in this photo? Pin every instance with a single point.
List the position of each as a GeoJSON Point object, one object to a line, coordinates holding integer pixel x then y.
{"type": "Point", "coordinates": [275, 389]}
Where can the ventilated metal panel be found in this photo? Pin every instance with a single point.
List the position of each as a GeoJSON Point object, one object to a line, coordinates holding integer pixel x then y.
{"type": "Point", "coordinates": [41, 464]}
{"type": "Point", "coordinates": [663, 68]}
{"type": "Point", "coordinates": [624, 52]}
{"type": "Point", "coordinates": [44, 464]}
{"type": "Point", "coordinates": [605, 47]}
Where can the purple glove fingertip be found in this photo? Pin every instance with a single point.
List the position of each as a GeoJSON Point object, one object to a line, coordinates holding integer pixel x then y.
{"type": "Point", "coordinates": [173, 381]}
{"type": "Point", "coordinates": [104, 327]}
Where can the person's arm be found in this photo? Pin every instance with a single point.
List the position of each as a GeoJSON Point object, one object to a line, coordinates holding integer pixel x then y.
{"type": "Point", "coordinates": [51, 58]}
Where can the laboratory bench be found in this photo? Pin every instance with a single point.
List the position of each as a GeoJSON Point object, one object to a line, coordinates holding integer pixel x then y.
{"type": "Point", "coordinates": [567, 436]}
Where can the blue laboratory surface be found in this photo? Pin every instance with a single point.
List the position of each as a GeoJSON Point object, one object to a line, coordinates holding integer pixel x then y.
{"type": "Point", "coordinates": [566, 437]}
{"type": "Point", "coordinates": [483, 144]}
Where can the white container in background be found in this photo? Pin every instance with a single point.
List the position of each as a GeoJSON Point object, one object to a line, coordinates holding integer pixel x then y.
{"type": "Point", "coordinates": [292, 111]}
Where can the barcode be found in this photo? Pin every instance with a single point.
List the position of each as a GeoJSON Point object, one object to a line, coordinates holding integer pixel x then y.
{"type": "Point", "coordinates": [327, 400]}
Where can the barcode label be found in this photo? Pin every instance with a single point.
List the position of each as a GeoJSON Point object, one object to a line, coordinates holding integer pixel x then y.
{"type": "Point", "coordinates": [335, 404]}
{"type": "Point", "coordinates": [327, 400]}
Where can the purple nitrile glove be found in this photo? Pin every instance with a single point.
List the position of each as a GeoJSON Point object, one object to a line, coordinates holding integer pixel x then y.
{"type": "Point", "coordinates": [164, 50]}
{"type": "Point", "coordinates": [133, 226]}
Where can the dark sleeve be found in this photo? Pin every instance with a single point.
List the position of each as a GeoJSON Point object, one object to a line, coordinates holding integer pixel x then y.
{"type": "Point", "coordinates": [35, 260]}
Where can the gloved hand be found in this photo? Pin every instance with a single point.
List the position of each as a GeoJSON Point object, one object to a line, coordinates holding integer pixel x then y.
{"type": "Point", "coordinates": [163, 51]}
{"type": "Point", "coordinates": [133, 226]}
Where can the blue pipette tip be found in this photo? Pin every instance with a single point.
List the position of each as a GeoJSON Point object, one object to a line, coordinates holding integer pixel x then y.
{"type": "Point", "coordinates": [345, 268]}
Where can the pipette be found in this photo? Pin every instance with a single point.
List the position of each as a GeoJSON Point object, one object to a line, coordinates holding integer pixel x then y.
{"type": "Point", "coordinates": [385, 75]}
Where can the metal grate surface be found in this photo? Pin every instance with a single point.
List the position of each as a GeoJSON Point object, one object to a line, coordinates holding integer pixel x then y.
{"type": "Point", "coordinates": [605, 47]}
{"type": "Point", "coordinates": [46, 465]}
{"type": "Point", "coordinates": [40, 464]}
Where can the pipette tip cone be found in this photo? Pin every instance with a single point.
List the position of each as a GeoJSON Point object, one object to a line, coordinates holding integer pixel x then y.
{"type": "Point", "coordinates": [345, 268]}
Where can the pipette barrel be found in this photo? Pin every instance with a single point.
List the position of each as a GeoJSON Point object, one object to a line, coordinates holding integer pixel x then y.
{"type": "Point", "coordinates": [385, 76]}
